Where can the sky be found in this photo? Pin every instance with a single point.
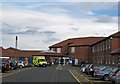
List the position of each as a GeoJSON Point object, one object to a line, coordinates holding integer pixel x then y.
{"type": "Point", "coordinates": [39, 24]}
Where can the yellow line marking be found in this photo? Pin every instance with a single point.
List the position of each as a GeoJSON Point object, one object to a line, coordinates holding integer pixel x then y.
{"type": "Point", "coordinates": [74, 76]}
{"type": "Point", "coordinates": [85, 78]}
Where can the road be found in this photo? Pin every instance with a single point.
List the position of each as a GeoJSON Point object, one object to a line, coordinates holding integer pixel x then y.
{"type": "Point", "coordinates": [42, 74]}
{"type": "Point", "coordinates": [50, 74]}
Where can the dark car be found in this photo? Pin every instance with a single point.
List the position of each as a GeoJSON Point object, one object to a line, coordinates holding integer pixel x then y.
{"type": "Point", "coordinates": [4, 64]}
{"type": "Point", "coordinates": [114, 75]}
{"type": "Point", "coordinates": [13, 64]}
{"type": "Point", "coordinates": [49, 63]}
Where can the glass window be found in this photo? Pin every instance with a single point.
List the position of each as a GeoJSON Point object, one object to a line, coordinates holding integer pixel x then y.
{"type": "Point", "coordinates": [52, 49]}
{"type": "Point", "coordinates": [72, 49]}
{"type": "Point", "coordinates": [93, 49]}
{"type": "Point", "coordinates": [109, 43]}
{"type": "Point", "coordinates": [58, 50]}
{"type": "Point", "coordinates": [113, 60]}
{"type": "Point", "coordinates": [118, 73]}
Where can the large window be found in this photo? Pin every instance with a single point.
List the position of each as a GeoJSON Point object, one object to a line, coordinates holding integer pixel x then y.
{"type": "Point", "coordinates": [72, 49]}
{"type": "Point", "coordinates": [109, 43]}
{"type": "Point", "coordinates": [58, 50]}
{"type": "Point", "coordinates": [93, 49]}
{"type": "Point", "coordinates": [52, 49]}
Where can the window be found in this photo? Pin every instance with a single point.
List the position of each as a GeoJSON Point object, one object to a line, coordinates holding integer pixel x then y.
{"type": "Point", "coordinates": [113, 60]}
{"type": "Point", "coordinates": [58, 50]}
{"type": "Point", "coordinates": [109, 60]}
{"type": "Point", "coordinates": [101, 46]}
{"type": "Point", "coordinates": [106, 61]}
{"type": "Point", "coordinates": [93, 49]}
{"type": "Point", "coordinates": [109, 43]}
{"type": "Point", "coordinates": [52, 49]}
{"type": "Point", "coordinates": [72, 49]}
{"type": "Point", "coordinates": [101, 60]}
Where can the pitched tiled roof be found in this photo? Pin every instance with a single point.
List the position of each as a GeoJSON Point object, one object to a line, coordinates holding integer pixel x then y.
{"type": "Point", "coordinates": [116, 34]}
{"type": "Point", "coordinates": [52, 54]}
{"type": "Point", "coordinates": [60, 44]}
{"type": "Point", "coordinates": [85, 41]}
{"type": "Point", "coordinates": [12, 52]}
{"type": "Point", "coordinates": [117, 51]}
{"type": "Point", "coordinates": [78, 41]}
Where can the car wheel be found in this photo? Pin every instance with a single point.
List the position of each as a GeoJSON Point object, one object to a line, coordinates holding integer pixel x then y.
{"type": "Point", "coordinates": [12, 68]}
{"type": "Point", "coordinates": [94, 74]}
{"type": "Point", "coordinates": [21, 66]}
{"type": "Point", "coordinates": [106, 77]}
{"type": "Point", "coordinates": [113, 82]}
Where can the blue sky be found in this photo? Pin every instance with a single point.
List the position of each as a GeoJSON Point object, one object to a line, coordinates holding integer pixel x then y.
{"type": "Point", "coordinates": [41, 24]}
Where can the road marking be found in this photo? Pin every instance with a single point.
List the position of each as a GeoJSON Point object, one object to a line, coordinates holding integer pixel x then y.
{"type": "Point", "coordinates": [59, 67]}
{"type": "Point", "coordinates": [74, 76]}
{"type": "Point", "coordinates": [85, 77]}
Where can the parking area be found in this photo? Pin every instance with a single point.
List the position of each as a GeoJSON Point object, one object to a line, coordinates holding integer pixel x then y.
{"type": "Point", "coordinates": [101, 75]}
{"type": "Point", "coordinates": [83, 78]}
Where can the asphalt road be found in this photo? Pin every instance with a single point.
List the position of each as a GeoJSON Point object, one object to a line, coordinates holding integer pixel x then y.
{"type": "Point", "coordinates": [42, 74]}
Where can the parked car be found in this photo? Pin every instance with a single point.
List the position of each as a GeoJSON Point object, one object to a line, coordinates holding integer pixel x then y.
{"type": "Point", "coordinates": [49, 63]}
{"type": "Point", "coordinates": [114, 75]}
{"type": "Point", "coordinates": [13, 64]}
{"type": "Point", "coordinates": [89, 69]}
{"type": "Point", "coordinates": [21, 64]}
{"type": "Point", "coordinates": [96, 67]}
{"type": "Point", "coordinates": [117, 79]}
{"type": "Point", "coordinates": [86, 67]}
{"type": "Point", "coordinates": [103, 73]}
{"type": "Point", "coordinates": [6, 64]}
{"type": "Point", "coordinates": [27, 64]}
{"type": "Point", "coordinates": [82, 68]}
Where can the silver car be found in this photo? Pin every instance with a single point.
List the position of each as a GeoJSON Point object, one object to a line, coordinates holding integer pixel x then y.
{"type": "Point", "coordinates": [103, 73]}
{"type": "Point", "coordinates": [114, 75]}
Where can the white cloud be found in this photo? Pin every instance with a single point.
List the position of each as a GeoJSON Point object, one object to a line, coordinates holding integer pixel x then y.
{"type": "Point", "coordinates": [59, 0]}
{"type": "Point", "coordinates": [61, 24]}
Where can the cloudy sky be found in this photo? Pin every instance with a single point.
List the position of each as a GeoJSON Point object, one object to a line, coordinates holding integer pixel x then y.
{"type": "Point", "coordinates": [40, 24]}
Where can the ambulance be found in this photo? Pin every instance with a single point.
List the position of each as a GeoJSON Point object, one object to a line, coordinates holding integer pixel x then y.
{"type": "Point", "coordinates": [39, 61]}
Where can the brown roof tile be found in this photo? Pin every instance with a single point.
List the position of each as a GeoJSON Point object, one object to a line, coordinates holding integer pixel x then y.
{"type": "Point", "coordinates": [78, 41]}
{"type": "Point", "coordinates": [12, 52]}
{"type": "Point", "coordinates": [117, 51]}
{"type": "Point", "coordinates": [116, 34]}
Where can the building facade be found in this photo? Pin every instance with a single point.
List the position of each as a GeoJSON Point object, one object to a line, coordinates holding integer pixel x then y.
{"type": "Point", "coordinates": [76, 48]}
{"type": "Point", "coordinates": [101, 51]}
{"type": "Point", "coordinates": [26, 55]}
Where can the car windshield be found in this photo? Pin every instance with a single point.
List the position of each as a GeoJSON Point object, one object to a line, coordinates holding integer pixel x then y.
{"type": "Point", "coordinates": [106, 68]}
{"type": "Point", "coordinates": [42, 60]}
{"type": "Point", "coordinates": [114, 69]}
{"type": "Point", "coordinates": [19, 61]}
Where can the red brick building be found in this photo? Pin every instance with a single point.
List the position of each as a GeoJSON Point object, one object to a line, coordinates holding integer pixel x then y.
{"type": "Point", "coordinates": [116, 55]}
{"type": "Point", "coordinates": [101, 51]}
{"type": "Point", "coordinates": [76, 48]}
{"type": "Point", "coordinates": [26, 55]}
